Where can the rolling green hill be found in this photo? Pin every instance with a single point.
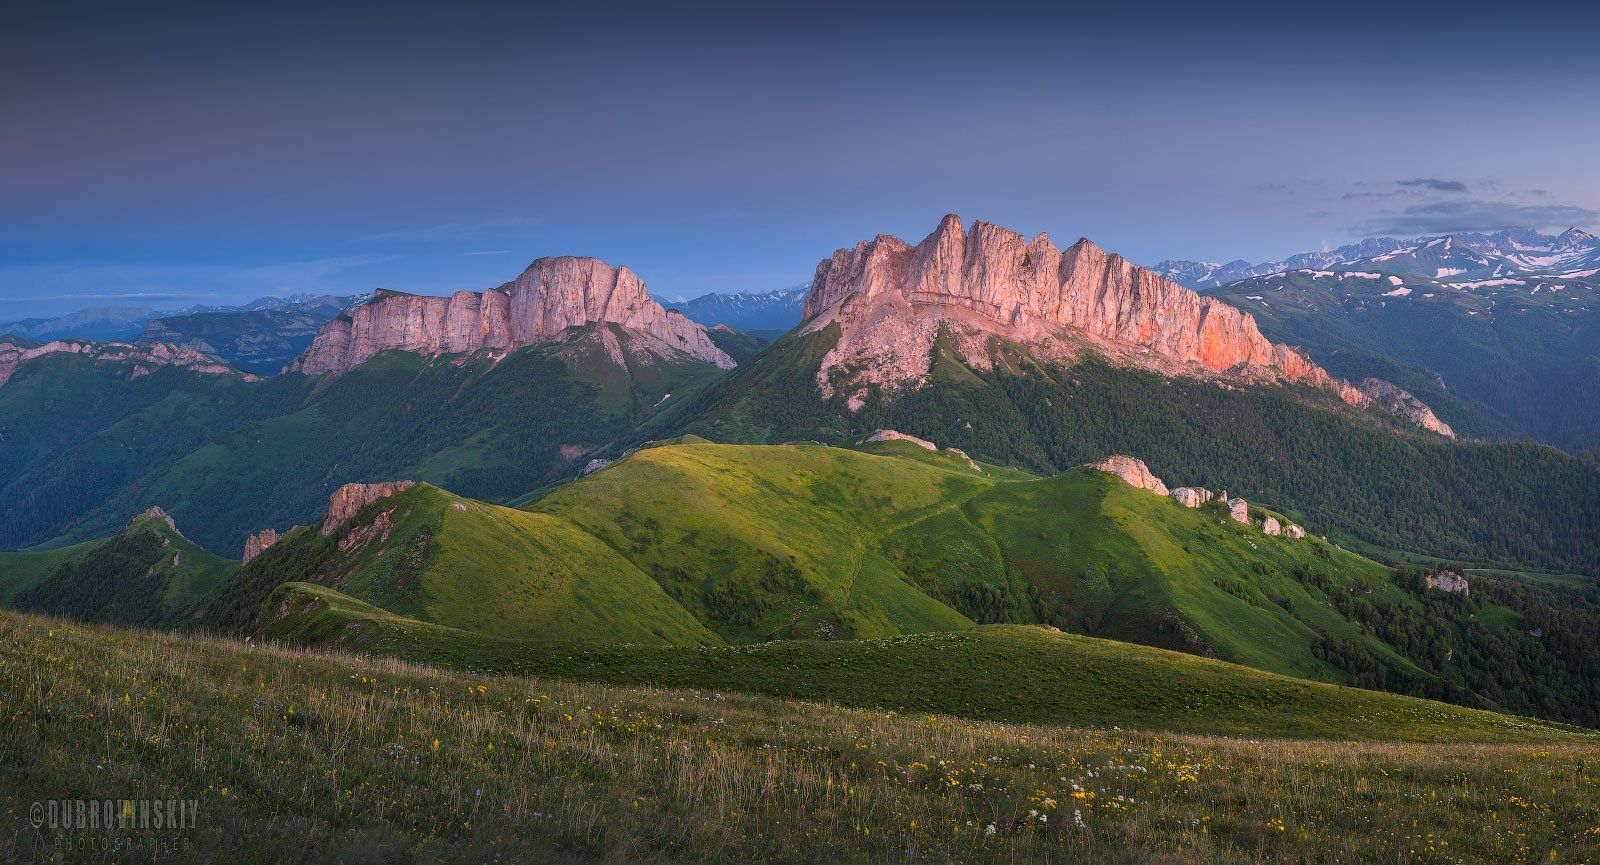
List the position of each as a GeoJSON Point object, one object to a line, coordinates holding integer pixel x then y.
{"type": "Point", "coordinates": [148, 574]}
{"type": "Point", "coordinates": [701, 544]}
{"type": "Point", "coordinates": [1350, 475]}
{"type": "Point", "coordinates": [427, 555]}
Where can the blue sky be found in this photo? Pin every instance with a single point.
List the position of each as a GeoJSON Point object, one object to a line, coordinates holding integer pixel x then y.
{"type": "Point", "coordinates": [169, 154]}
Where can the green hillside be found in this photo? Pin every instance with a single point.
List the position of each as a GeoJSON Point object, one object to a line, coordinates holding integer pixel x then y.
{"type": "Point", "coordinates": [286, 751]}
{"type": "Point", "coordinates": [489, 429]}
{"type": "Point", "coordinates": [1350, 475]}
{"type": "Point", "coordinates": [427, 555]}
{"type": "Point", "coordinates": [697, 543]}
{"type": "Point", "coordinates": [76, 430]}
{"type": "Point", "coordinates": [148, 575]}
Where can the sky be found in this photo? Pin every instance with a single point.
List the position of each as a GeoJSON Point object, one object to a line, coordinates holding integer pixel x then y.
{"type": "Point", "coordinates": [169, 153]}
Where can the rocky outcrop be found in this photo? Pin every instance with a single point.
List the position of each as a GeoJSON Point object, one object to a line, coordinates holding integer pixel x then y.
{"type": "Point", "coordinates": [892, 301]}
{"type": "Point", "coordinates": [1401, 403]}
{"type": "Point", "coordinates": [1132, 470]}
{"type": "Point", "coordinates": [258, 543]}
{"type": "Point", "coordinates": [1239, 511]}
{"type": "Point", "coordinates": [1449, 581]}
{"type": "Point", "coordinates": [347, 500]}
{"type": "Point", "coordinates": [1192, 497]}
{"type": "Point", "coordinates": [143, 358]}
{"type": "Point", "coordinates": [889, 435]}
{"type": "Point", "coordinates": [154, 512]}
{"type": "Point", "coordinates": [1271, 526]}
{"type": "Point", "coordinates": [593, 466]}
{"type": "Point", "coordinates": [1293, 531]}
{"type": "Point", "coordinates": [552, 295]}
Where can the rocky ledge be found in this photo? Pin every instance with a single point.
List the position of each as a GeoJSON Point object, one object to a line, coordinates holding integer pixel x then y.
{"type": "Point", "coordinates": [552, 295]}
{"type": "Point", "coordinates": [143, 357]}
{"type": "Point", "coordinates": [1402, 404]}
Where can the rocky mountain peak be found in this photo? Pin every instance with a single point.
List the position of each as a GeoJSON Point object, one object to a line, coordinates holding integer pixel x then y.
{"type": "Point", "coordinates": [893, 300]}
{"type": "Point", "coordinates": [550, 296]}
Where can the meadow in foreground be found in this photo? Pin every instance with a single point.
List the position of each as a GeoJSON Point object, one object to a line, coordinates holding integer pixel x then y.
{"type": "Point", "coordinates": [299, 757]}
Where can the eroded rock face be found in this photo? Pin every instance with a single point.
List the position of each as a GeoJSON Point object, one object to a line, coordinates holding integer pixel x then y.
{"type": "Point", "coordinates": [144, 356]}
{"type": "Point", "coordinates": [1239, 511]}
{"type": "Point", "coordinates": [889, 435]}
{"type": "Point", "coordinates": [893, 300]}
{"type": "Point", "coordinates": [351, 498]}
{"type": "Point", "coordinates": [1401, 403]}
{"type": "Point", "coordinates": [258, 542]}
{"type": "Point", "coordinates": [1293, 531]}
{"type": "Point", "coordinates": [1448, 581]}
{"type": "Point", "coordinates": [553, 294]}
{"type": "Point", "coordinates": [1271, 526]}
{"type": "Point", "coordinates": [1132, 470]}
{"type": "Point", "coordinates": [1192, 497]}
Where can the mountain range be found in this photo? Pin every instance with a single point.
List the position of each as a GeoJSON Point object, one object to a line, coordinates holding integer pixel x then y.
{"type": "Point", "coordinates": [764, 313]}
{"type": "Point", "coordinates": [971, 429]}
{"type": "Point", "coordinates": [1513, 252]}
{"type": "Point", "coordinates": [1497, 333]}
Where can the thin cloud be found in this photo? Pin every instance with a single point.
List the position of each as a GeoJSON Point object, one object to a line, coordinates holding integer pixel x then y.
{"type": "Point", "coordinates": [59, 285]}
{"type": "Point", "coordinates": [1434, 184]}
{"type": "Point", "coordinates": [454, 232]}
{"type": "Point", "coordinates": [1466, 214]}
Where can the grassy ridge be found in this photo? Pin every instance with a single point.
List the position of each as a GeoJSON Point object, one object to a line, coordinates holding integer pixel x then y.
{"type": "Point", "coordinates": [308, 758]}
{"type": "Point", "coordinates": [992, 672]}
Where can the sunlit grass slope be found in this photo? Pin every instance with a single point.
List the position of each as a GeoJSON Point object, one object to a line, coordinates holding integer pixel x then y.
{"type": "Point", "coordinates": [310, 758]}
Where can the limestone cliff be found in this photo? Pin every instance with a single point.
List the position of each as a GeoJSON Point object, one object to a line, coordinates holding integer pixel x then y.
{"type": "Point", "coordinates": [143, 358]}
{"type": "Point", "coordinates": [552, 295]}
{"type": "Point", "coordinates": [892, 300]}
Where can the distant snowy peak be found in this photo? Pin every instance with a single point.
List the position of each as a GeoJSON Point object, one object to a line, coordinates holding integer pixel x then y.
{"type": "Point", "coordinates": [1474, 255]}
{"type": "Point", "coordinates": [746, 311]}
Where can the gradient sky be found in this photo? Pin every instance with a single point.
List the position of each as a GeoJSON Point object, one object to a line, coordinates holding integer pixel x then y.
{"type": "Point", "coordinates": [171, 153]}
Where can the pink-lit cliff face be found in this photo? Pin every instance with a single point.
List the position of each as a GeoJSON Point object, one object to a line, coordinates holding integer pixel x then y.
{"type": "Point", "coordinates": [552, 295]}
{"type": "Point", "coordinates": [892, 299]}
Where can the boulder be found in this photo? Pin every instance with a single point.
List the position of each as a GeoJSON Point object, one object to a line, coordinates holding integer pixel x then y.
{"type": "Point", "coordinates": [889, 435]}
{"type": "Point", "coordinates": [1448, 581]}
{"type": "Point", "coordinates": [1239, 510]}
{"type": "Point", "coordinates": [1132, 470]}
{"type": "Point", "coordinates": [1293, 531]}
{"type": "Point", "coordinates": [1270, 526]}
{"type": "Point", "coordinates": [1191, 497]}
